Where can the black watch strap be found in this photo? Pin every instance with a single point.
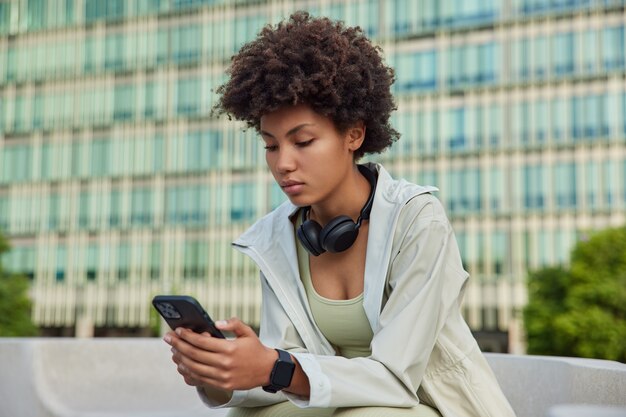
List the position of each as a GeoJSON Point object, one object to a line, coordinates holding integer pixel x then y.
{"type": "Point", "coordinates": [282, 373]}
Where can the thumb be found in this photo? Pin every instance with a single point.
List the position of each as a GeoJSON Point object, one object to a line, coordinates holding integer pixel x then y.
{"type": "Point", "coordinates": [236, 326]}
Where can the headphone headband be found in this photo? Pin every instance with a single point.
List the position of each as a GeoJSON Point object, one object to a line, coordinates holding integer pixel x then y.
{"type": "Point", "coordinates": [372, 179]}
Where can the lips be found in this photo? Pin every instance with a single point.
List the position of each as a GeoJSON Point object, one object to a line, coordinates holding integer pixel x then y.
{"type": "Point", "coordinates": [291, 187]}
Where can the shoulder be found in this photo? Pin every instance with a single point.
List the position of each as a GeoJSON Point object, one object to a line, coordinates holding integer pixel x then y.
{"type": "Point", "coordinates": [425, 207]}
{"type": "Point", "coordinates": [413, 200]}
{"type": "Point", "coordinates": [422, 215]}
{"type": "Point", "coordinates": [398, 191]}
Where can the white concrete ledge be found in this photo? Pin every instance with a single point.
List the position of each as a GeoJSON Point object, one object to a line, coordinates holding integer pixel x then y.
{"type": "Point", "coordinates": [127, 377]}
{"type": "Point", "coordinates": [577, 410]}
{"type": "Point", "coordinates": [535, 384]}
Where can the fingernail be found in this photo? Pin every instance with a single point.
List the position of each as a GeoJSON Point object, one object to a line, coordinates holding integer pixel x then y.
{"type": "Point", "coordinates": [167, 338]}
{"type": "Point", "coordinates": [179, 331]}
{"type": "Point", "coordinates": [173, 350]}
{"type": "Point", "coordinates": [221, 323]}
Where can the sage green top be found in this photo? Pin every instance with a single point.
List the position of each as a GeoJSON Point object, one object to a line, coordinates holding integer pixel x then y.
{"type": "Point", "coordinates": [342, 322]}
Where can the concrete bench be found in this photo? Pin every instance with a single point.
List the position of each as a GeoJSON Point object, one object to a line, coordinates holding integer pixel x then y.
{"type": "Point", "coordinates": [93, 378]}
{"type": "Point", "coordinates": [535, 384]}
{"type": "Point", "coordinates": [135, 377]}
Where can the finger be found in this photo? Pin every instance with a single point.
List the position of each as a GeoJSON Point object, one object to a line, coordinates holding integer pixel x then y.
{"type": "Point", "coordinates": [175, 355]}
{"type": "Point", "coordinates": [191, 381]}
{"type": "Point", "coordinates": [236, 326]}
{"type": "Point", "coordinates": [202, 341]}
{"type": "Point", "coordinates": [189, 377]}
{"type": "Point", "coordinates": [169, 336]}
{"type": "Point", "coordinates": [201, 371]}
{"type": "Point", "coordinates": [182, 350]}
{"type": "Point", "coordinates": [197, 374]}
{"type": "Point", "coordinates": [185, 366]}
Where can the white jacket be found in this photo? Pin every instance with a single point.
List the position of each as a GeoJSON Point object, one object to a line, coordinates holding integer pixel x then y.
{"type": "Point", "coordinates": [422, 349]}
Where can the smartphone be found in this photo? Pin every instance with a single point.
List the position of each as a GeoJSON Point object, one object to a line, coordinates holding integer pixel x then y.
{"type": "Point", "coordinates": [185, 311]}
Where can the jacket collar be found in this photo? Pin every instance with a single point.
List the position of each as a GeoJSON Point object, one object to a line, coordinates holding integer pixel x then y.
{"type": "Point", "coordinates": [270, 242]}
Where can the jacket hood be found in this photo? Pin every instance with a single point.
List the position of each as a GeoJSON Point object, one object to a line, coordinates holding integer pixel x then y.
{"type": "Point", "coordinates": [263, 233]}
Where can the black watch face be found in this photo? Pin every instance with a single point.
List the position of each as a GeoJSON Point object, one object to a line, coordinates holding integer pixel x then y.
{"type": "Point", "coordinates": [283, 373]}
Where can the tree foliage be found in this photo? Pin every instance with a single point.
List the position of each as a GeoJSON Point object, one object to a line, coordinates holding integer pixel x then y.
{"type": "Point", "coordinates": [15, 305]}
{"type": "Point", "coordinates": [581, 311]}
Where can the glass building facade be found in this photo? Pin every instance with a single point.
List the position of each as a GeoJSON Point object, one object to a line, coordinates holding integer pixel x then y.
{"type": "Point", "coordinates": [117, 184]}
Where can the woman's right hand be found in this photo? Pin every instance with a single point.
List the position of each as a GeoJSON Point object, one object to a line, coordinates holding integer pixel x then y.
{"type": "Point", "coordinates": [240, 363]}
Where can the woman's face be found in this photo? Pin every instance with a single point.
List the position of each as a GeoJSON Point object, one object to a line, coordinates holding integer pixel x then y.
{"type": "Point", "coordinates": [307, 155]}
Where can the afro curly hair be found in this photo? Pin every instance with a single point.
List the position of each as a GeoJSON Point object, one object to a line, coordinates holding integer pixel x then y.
{"type": "Point", "coordinates": [314, 61]}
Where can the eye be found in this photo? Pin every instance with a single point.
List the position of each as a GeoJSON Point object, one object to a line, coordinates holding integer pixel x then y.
{"type": "Point", "coordinates": [271, 148]}
{"type": "Point", "coordinates": [304, 143]}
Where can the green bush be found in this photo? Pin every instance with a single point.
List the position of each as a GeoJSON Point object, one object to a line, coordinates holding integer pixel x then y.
{"type": "Point", "coordinates": [15, 305]}
{"type": "Point", "coordinates": [581, 311]}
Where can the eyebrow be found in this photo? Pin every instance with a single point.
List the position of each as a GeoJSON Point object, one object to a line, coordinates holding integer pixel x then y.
{"type": "Point", "coordinates": [290, 132]}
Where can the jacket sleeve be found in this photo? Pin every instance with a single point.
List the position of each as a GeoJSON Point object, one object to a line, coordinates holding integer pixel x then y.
{"type": "Point", "coordinates": [425, 278]}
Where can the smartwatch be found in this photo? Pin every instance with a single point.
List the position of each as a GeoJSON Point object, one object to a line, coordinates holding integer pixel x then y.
{"type": "Point", "coordinates": [282, 372]}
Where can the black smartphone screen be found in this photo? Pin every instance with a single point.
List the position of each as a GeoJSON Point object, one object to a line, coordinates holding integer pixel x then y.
{"type": "Point", "coordinates": [185, 311]}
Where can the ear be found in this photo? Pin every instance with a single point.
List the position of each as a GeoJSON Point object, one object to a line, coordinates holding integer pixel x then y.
{"type": "Point", "coordinates": [356, 135]}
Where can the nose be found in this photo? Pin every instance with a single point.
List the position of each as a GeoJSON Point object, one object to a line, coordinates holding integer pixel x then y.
{"type": "Point", "coordinates": [285, 160]}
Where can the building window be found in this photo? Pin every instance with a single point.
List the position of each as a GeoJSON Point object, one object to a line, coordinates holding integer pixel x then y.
{"type": "Point", "coordinates": [534, 189]}
{"type": "Point", "coordinates": [188, 97]}
{"type": "Point", "coordinates": [242, 203]}
{"type": "Point", "coordinates": [463, 190]}
{"type": "Point", "coordinates": [61, 263]}
{"type": "Point", "coordinates": [559, 117]}
{"type": "Point", "coordinates": [565, 185]}
{"type": "Point", "coordinates": [613, 48]}
{"type": "Point", "coordinates": [115, 209]}
{"type": "Point", "coordinates": [92, 262]}
{"type": "Point", "coordinates": [83, 209]}
{"type": "Point", "coordinates": [123, 261]}
{"type": "Point", "coordinates": [114, 51]}
{"type": "Point", "coordinates": [457, 138]}
{"type": "Point", "coordinates": [195, 259]}
{"type": "Point", "coordinates": [540, 57]}
{"type": "Point", "coordinates": [541, 121]}
{"type": "Point", "coordinates": [100, 157]}
{"type": "Point", "coordinates": [124, 102]}
{"type": "Point", "coordinates": [563, 54]}
{"type": "Point", "coordinates": [141, 205]}
{"type": "Point", "coordinates": [496, 189]}
{"type": "Point", "coordinates": [609, 183]}
{"type": "Point", "coordinates": [416, 71]}
{"type": "Point", "coordinates": [155, 260]}
{"type": "Point", "coordinates": [186, 43]}
{"type": "Point", "coordinates": [499, 252]}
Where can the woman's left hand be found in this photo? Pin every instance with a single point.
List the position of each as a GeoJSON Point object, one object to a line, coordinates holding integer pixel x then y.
{"type": "Point", "coordinates": [235, 364]}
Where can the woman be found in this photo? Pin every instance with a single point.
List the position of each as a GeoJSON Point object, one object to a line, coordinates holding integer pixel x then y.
{"type": "Point", "coordinates": [361, 276]}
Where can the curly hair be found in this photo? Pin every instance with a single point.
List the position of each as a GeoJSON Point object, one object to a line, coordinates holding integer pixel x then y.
{"type": "Point", "coordinates": [332, 68]}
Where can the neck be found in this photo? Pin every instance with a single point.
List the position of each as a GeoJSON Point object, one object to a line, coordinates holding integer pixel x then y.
{"type": "Point", "coordinates": [349, 200]}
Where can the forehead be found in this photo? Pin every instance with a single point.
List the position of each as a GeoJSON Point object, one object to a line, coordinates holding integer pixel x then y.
{"type": "Point", "coordinates": [285, 118]}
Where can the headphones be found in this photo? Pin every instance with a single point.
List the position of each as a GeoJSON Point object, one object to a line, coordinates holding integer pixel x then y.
{"type": "Point", "coordinates": [341, 232]}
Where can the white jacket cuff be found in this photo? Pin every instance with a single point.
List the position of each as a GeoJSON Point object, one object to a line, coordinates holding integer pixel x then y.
{"type": "Point", "coordinates": [221, 399]}
{"type": "Point", "coordinates": [320, 393]}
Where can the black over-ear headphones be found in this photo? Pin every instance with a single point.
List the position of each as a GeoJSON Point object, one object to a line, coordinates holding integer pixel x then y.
{"type": "Point", "coordinates": [341, 232]}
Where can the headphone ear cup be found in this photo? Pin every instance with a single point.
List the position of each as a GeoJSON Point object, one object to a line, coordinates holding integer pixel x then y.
{"type": "Point", "coordinates": [339, 234]}
{"type": "Point", "coordinates": [309, 235]}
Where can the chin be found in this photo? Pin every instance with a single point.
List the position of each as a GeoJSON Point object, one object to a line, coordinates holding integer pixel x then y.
{"type": "Point", "coordinates": [299, 201]}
